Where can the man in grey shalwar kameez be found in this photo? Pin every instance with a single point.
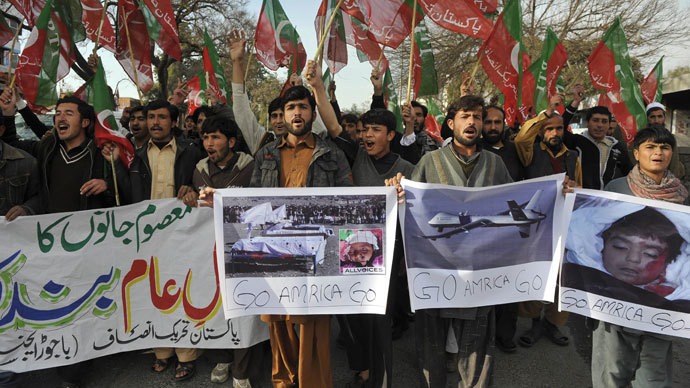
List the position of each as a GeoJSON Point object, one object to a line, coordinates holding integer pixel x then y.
{"type": "Point", "coordinates": [460, 163]}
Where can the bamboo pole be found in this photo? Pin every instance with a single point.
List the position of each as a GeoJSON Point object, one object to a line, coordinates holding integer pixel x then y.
{"type": "Point", "coordinates": [131, 57]}
{"type": "Point", "coordinates": [324, 6]}
{"type": "Point", "coordinates": [100, 27]}
{"type": "Point", "coordinates": [117, 193]}
{"type": "Point", "coordinates": [411, 66]}
{"type": "Point", "coordinates": [14, 41]}
{"type": "Point", "coordinates": [249, 61]}
{"type": "Point", "coordinates": [323, 36]}
{"type": "Point", "coordinates": [378, 64]}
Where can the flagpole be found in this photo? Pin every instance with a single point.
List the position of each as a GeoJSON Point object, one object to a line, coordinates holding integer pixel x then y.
{"type": "Point", "coordinates": [9, 65]}
{"type": "Point", "coordinates": [411, 66]}
{"type": "Point", "coordinates": [117, 193]}
{"type": "Point", "coordinates": [378, 64]}
{"type": "Point", "coordinates": [249, 61]}
{"type": "Point", "coordinates": [476, 65]}
{"type": "Point", "coordinates": [323, 36]}
{"type": "Point", "coordinates": [100, 27]}
{"type": "Point", "coordinates": [323, 21]}
{"type": "Point", "coordinates": [131, 56]}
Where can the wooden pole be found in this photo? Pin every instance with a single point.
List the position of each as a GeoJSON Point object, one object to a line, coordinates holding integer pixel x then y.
{"type": "Point", "coordinates": [328, 27]}
{"type": "Point", "coordinates": [378, 64]}
{"type": "Point", "coordinates": [131, 57]}
{"type": "Point", "coordinates": [409, 72]}
{"type": "Point", "coordinates": [100, 27]}
{"type": "Point", "coordinates": [117, 193]}
{"type": "Point", "coordinates": [14, 41]}
{"type": "Point", "coordinates": [324, 6]}
{"type": "Point", "coordinates": [249, 61]}
{"type": "Point", "coordinates": [476, 66]}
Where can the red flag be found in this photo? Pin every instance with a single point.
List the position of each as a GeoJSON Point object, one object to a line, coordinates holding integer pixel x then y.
{"type": "Point", "coordinates": [432, 127]}
{"type": "Point", "coordinates": [358, 36]}
{"type": "Point", "coordinates": [197, 95]}
{"type": "Point", "coordinates": [506, 63]}
{"type": "Point", "coordinates": [141, 44]}
{"type": "Point", "coordinates": [652, 86]}
{"type": "Point", "coordinates": [276, 40]}
{"type": "Point", "coordinates": [91, 18]}
{"type": "Point", "coordinates": [390, 22]}
{"type": "Point", "coordinates": [164, 32]}
{"type": "Point", "coordinates": [30, 9]}
{"type": "Point", "coordinates": [461, 16]}
{"type": "Point", "coordinates": [335, 45]}
{"type": "Point", "coordinates": [6, 34]}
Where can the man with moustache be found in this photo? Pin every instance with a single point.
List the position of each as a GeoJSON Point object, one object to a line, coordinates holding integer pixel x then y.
{"type": "Point", "coordinates": [300, 159]}
{"type": "Point", "coordinates": [603, 157]}
{"type": "Point", "coordinates": [138, 131]}
{"type": "Point", "coordinates": [550, 156]}
{"type": "Point", "coordinates": [462, 162]}
{"type": "Point", "coordinates": [494, 140]}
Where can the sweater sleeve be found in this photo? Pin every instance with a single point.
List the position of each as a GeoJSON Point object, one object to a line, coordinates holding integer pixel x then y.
{"type": "Point", "coordinates": [245, 119]}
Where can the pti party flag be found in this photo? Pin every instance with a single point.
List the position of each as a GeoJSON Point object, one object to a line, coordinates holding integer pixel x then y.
{"type": "Point", "coordinates": [91, 19]}
{"type": "Point", "coordinates": [6, 33]}
{"type": "Point", "coordinates": [106, 128]}
{"type": "Point", "coordinates": [214, 70]}
{"type": "Point", "coordinates": [390, 98]}
{"type": "Point", "coordinates": [30, 9]}
{"type": "Point", "coordinates": [197, 95]}
{"type": "Point", "coordinates": [132, 30]}
{"type": "Point", "coordinates": [433, 120]}
{"type": "Point", "coordinates": [424, 65]}
{"type": "Point", "coordinates": [461, 16]}
{"type": "Point", "coordinates": [358, 36]}
{"type": "Point", "coordinates": [48, 54]}
{"type": "Point", "coordinates": [610, 70]}
{"type": "Point", "coordinates": [652, 86]}
{"type": "Point", "coordinates": [276, 40]}
{"type": "Point", "coordinates": [506, 63]}
{"type": "Point", "coordinates": [546, 70]}
{"type": "Point", "coordinates": [389, 22]}
{"type": "Point", "coordinates": [335, 46]}
{"type": "Point", "coordinates": [161, 26]}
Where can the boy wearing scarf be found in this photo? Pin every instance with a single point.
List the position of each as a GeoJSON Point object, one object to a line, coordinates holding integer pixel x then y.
{"type": "Point", "coordinates": [623, 356]}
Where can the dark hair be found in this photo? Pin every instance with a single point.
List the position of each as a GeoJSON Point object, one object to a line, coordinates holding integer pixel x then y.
{"type": "Point", "coordinates": [416, 104]}
{"type": "Point", "coordinates": [656, 108]}
{"type": "Point", "coordinates": [85, 110]}
{"type": "Point", "coordinates": [136, 109]}
{"type": "Point", "coordinates": [657, 134]}
{"type": "Point", "coordinates": [298, 92]}
{"type": "Point", "coordinates": [224, 124]}
{"type": "Point", "coordinates": [602, 110]}
{"type": "Point", "coordinates": [466, 103]}
{"type": "Point", "coordinates": [648, 223]}
{"type": "Point", "coordinates": [205, 109]}
{"type": "Point", "coordinates": [380, 117]}
{"type": "Point", "coordinates": [274, 105]}
{"type": "Point", "coordinates": [498, 108]}
{"type": "Point", "coordinates": [160, 104]}
{"type": "Point", "coordinates": [349, 118]}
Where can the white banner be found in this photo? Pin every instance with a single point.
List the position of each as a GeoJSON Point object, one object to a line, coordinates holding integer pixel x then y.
{"type": "Point", "coordinates": [75, 286]}
{"type": "Point", "coordinates": [481, 246]}
{"type": "Point", "coordinates": [305, 250]}
{"type": "Point", "coordinates": [627, 261]}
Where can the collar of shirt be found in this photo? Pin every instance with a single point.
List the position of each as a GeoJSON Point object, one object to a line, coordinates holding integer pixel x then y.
{"type": "Point", "coordinates": [563, 150]}
{"type": "Point", "coordinates": [76, 149]}
{"type": "Point", "coordinates": [172, 144]}
{"type": "Point", "coordinates": [308, 142]}
{"type": "Point", "coordinates": [607, 140]}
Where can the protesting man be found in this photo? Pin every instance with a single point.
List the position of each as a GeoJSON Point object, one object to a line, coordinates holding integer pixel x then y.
{"type": "Point", "coordinates": [550, 156]}
{"type": "Point", "coordinates": [462, 163]}
{"type": "Point", "coordinates": [494, 140]}
{"type": "Point", "coordinates": [622, 356]}
{"type": "Point", "coordinates": [138, 132]}
{"type": "Point", "coordinates": [300, 159]}
{"type": "Point", "coordinates": [225, 168]}
{"type": "Point", "coordinates": [162, 169]}
{"type": "Point", "coordinates": [603, 157]}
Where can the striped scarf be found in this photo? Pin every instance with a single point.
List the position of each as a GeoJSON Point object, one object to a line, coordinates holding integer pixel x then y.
{"type": "Point", "coordinates": [670, 189]}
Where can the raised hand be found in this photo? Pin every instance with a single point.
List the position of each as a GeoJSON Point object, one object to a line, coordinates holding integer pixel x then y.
{"type": "Point", "coordinates": [238, 43]}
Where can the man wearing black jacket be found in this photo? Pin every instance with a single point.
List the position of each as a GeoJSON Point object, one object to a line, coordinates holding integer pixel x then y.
{"type": "Point", "coordinates": [603, 157]}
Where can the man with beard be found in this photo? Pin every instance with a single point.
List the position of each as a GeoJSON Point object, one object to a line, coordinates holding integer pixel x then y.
{"type": "Point", "coordinates": [225, 168]}
{"type": "Point", "coordinates": [494, 140]}
{"type": "Point", "coordinates": [550, 156]}
{"type": "Point", "coordinates": [254, 134]}
{"type": "Point", "coordinates": [300, 159]}
{"type": "Point", "coordinates": [414, 115]}
{"type": "Point", "coordinates": [462, 163]}
{"type": "Point", "coordinates": [139, 132]}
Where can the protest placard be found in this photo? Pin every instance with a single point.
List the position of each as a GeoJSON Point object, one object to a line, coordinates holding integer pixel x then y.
{"type": "Point", "coordinates": [75, 286]}
{"type": "Point", "coordinates": [305, 250]}
{"type": "Point", "coordinates": [471, 247]}
{"type": "Point", "coordinates": [627, 262]}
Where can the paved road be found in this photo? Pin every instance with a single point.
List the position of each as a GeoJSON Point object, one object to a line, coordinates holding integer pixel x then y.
{"type": "Point", "coordinates": [544, 365]}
